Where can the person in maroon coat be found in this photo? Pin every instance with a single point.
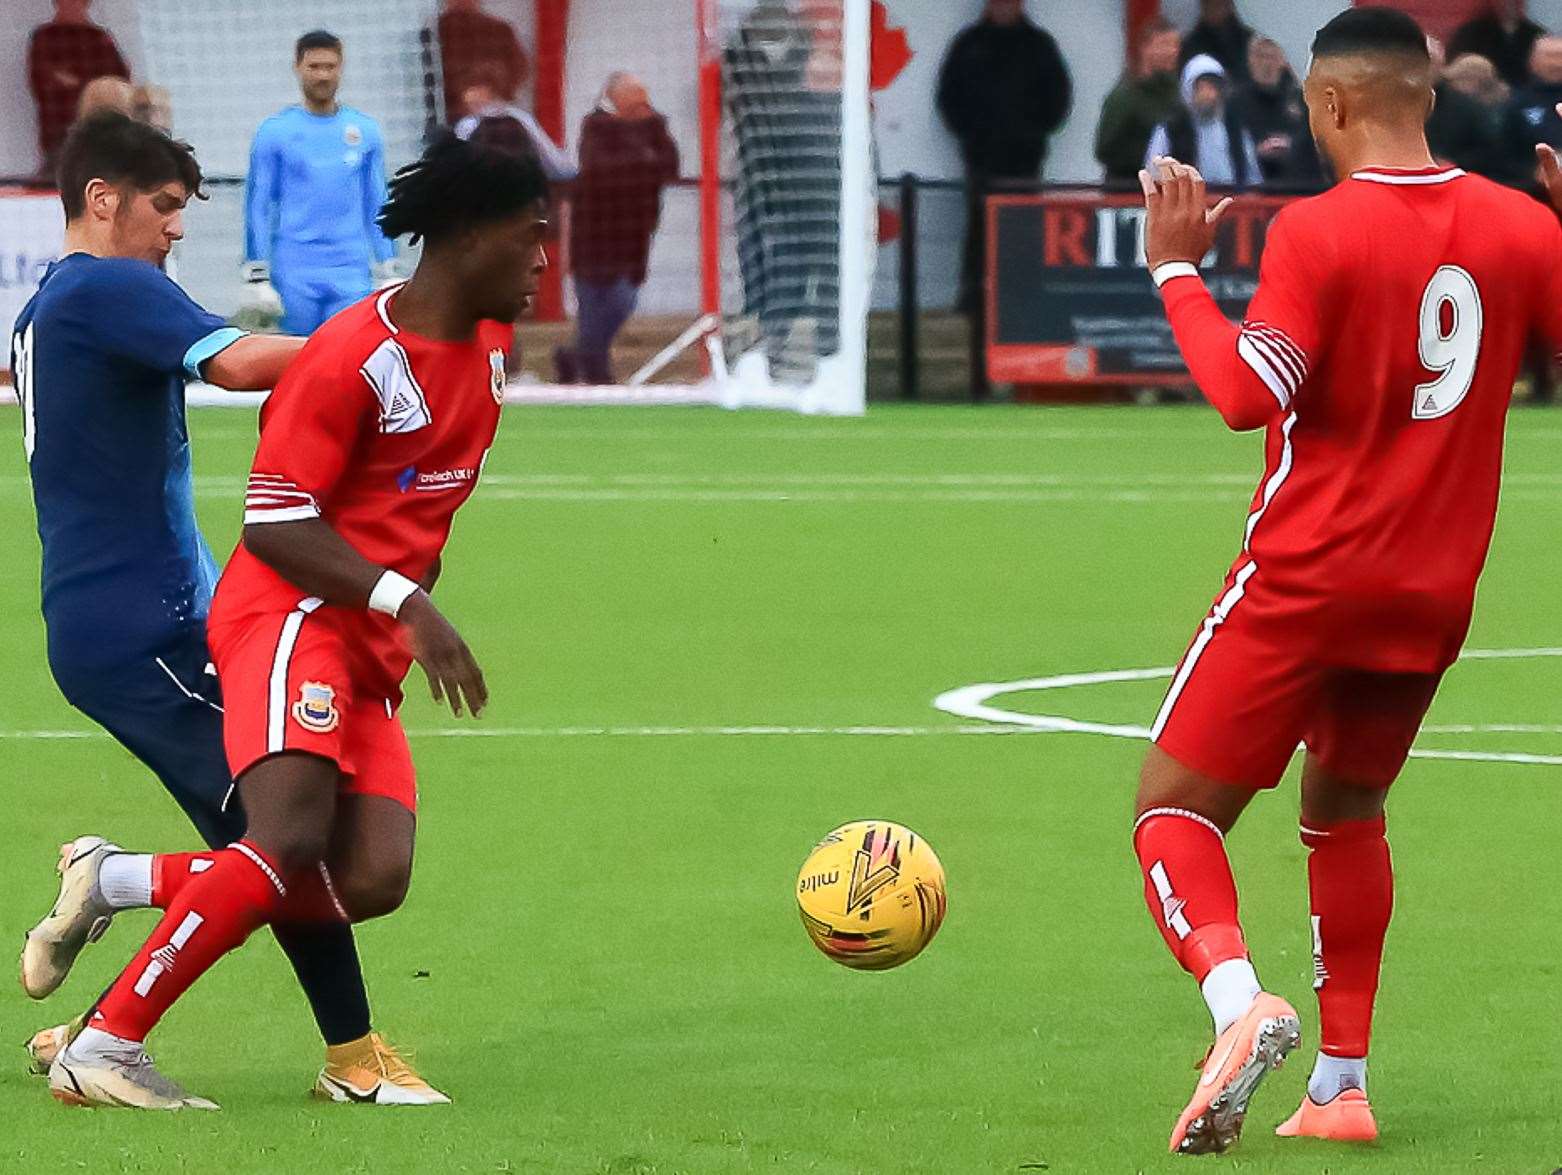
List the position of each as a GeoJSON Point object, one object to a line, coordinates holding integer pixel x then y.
{"type": "Point", "coordinates": [477, 49]}
{"type": "Point", "coordinates": [62, 57]}
{"type": "Point", "coordinates": [627, 157]}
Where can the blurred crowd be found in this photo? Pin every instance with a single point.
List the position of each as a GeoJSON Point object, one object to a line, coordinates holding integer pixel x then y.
{"type": "Point", "coordinates": [1220, 95]}
{"type": "Point", "coordinates": [317, 169]}
{"type": "Point", "coordinates": [1223, 96]}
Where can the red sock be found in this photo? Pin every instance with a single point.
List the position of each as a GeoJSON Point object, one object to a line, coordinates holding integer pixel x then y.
{"type": "Point", "coordinates": [1351, 879]}
{"type": "Point", "coordinates": [215, 911]}
{"type": "Point", "coordinates": [310, 898]}
{"type": "Point", "coordinates": [170, 871]}
{"type": "Point", "coordinates": [1189, 888]}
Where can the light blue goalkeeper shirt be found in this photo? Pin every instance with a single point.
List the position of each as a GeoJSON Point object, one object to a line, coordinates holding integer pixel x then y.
{"type": "Point", "coordinates": [316, 183]}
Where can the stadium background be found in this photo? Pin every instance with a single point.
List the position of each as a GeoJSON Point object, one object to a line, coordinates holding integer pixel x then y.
{"type": "Point", "coordinates": [228, 66]}
{"type": "Point", "coordinates": [713, 637]}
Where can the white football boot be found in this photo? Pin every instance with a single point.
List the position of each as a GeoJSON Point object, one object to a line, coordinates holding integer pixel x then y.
{"type": "Point", "coordinates": [80, 915]}
{"type": "Point", "coordinates": [110, 1071]}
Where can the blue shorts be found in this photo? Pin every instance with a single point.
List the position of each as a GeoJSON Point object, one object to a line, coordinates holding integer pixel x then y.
{"type": "Point", "coordinates": [311, 294]}
{"type": "Point", "coordinates": [166, 710]}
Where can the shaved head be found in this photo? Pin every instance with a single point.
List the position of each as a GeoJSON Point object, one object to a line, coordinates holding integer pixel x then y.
{"type": "Point", "coordinates": [1371, 82]}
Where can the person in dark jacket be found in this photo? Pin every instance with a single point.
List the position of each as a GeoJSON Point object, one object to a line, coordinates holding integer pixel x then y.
{"type": "Point", "coordinates": [1504, 36]}
{"type": "Point", "coordinates": [1207, 132]}
{"type": "Point", "coordinates": [1220, 34]}
{"type": "Point", "coordinates": [1270, 106]}
{"type": "Point", "coordinates": [1003, 91]}
{"type": "Point", "coordinates": [1138, 104]}
{"type": "Point", "coordinates": [627, 156]}
{"type": "Point", "coordinates": [1462, 130]}
{"type": "Point", "coordinates": [1532, 118]}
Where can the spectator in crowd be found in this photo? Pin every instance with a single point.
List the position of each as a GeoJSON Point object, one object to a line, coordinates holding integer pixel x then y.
{"type": "Point", "coordinates": [478, 50]}
{"type": "Point", "coordinates": [1003, 91]}
{"type": "Point", "coordinates": [1270, 106]}
{"type": "Point", "coordinates": [1207, 131]}
{"type": "Point", "coordinates": [63, 56]}
{"type": "Point", "coordinates": [154, 105]}
{"type": "Point", "coordinates": [517, 131]}
{"type": "Point", "coordinates": [106, 93]}
{"type": "Point", "coordinates": [1220, 34]}
{"type": "Point", "coordinates": [1504, 36]}
{"type": "Point", "coordinates": [1476, 78]}
{"type": "Point", "coordinates": [316, 183]}
{"type": "Point", "coordinates": [1461, 131]}
{"type": "Point", "coordinates": [782, 92]}
{"type": "Point", "coordinates": [1142, 100]}
{"type": "Point", "coordinates": [1531, 116]}
{"type": "Point", "coordinates": [627, 156]}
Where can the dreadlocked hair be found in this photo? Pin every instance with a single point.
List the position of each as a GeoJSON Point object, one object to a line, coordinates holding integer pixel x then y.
{"type": "Point", "coordinates": [457, 186]}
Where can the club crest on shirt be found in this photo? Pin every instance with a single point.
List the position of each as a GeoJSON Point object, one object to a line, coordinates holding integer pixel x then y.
{"type": "Point", "coordinates": [352, 135]}
{"type": "Point", "coordinates": [496, 368]}
{"type": "Point", "coordinates": [316, 709]}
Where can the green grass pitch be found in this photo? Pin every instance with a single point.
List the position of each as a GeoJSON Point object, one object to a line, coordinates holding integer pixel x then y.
{"type": "Point", "coordinates": [600, 958]}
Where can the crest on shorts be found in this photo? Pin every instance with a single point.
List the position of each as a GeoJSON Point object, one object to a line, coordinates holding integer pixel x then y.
{"type": "Point", "coordinates": [496, 371]}
{"type": "Point", "coordinates": [352, 135]}
{"type": "Point", "coordinates": [316, 709]}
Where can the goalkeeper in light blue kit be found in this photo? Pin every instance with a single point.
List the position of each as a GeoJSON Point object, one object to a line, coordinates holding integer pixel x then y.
{"type": "Point", "coordinates": [316, 183]}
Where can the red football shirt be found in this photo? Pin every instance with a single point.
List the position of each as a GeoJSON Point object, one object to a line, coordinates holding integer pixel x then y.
{"type": "Point", "coordinates": [382, 434]}
{"type": "Point", "coordinates": [1391, 319]}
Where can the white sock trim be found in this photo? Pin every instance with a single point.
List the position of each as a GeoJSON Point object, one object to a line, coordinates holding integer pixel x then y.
{"type": "Point", "coordinates": [1229, 991]}
{"type": "Point", "coordinates": [1332, 1076]}
{"type": "Point", "coordinates": [125, 880]}
{"type": "Point", "coordinates": [1186, 815]}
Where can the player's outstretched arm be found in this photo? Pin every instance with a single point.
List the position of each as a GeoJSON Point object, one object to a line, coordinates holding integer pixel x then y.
{"type": "Point", "coordinates": [1247, 379]}
{"type": "Point", "coordinates": [252, 364]}
{"type": "Point", "coordinates": [315, 559]}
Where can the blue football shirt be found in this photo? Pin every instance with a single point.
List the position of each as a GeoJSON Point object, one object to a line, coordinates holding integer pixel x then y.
{"type": "Point", "coordinates": [316, 185]}
{"type": "Point", "coordinates": [100, 356]}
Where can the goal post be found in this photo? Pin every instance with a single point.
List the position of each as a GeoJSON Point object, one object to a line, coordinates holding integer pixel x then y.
{"type": "Point", "coordinates": [756, 289]}
{"type": "Point", "coordinates": [780, 221]}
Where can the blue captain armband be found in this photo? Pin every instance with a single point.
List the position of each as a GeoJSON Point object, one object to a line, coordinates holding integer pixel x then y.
{"type": "Point", "coordinates": [213, 344]}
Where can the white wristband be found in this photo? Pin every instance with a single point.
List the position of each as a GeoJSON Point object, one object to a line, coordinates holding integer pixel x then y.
{"type": "Point", "coordinates": [1162, 274]}
{"type": "Point", "coordinates": [390, 593]}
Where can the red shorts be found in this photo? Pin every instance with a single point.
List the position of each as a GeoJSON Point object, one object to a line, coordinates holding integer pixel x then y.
{"type": "Point", "coordinates": [286, 687]}
{"type": "Point", "coordinates": [1239, 706]}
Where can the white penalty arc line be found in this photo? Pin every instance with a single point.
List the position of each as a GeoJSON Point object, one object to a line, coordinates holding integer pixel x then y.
{"type": "Point", "coordinates": [973, 702]}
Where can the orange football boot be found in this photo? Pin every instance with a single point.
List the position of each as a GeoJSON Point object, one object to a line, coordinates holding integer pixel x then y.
{"type": "Point", "coordinates": [1346, 1118]}
{"type": "Point", "coordinates": [1243, 1055]}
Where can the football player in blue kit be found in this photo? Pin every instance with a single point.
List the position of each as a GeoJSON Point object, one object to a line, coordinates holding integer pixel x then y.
{"type": "Point", "coordinates": [100, 357]}
{"type": "Point", "coordinates": [316, 183]}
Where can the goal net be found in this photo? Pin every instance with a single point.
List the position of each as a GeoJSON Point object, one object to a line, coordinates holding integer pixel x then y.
{"type": "Point", "coordinates": [716, 211]}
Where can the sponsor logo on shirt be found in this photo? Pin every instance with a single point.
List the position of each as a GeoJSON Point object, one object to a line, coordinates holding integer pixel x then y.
{"type": "Point", "coordinates": [496, 368]}
{"type": "Point", "coordinates": [435, 481]}
{"type": "Point", "coordinates": [315, 709]}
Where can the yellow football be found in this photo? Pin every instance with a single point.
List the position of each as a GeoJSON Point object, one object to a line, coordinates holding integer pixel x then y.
{"type": "Point", "coordinates": [872, 895]}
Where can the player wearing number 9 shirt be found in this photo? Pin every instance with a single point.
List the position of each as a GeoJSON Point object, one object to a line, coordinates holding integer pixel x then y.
{"type": "Point", "coordinates": [1379, 354]}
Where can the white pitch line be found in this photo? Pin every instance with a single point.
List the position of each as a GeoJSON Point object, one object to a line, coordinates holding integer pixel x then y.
{"type": "Point", "coordinates": [973, 702]}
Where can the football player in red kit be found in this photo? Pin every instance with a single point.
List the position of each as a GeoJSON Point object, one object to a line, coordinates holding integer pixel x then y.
{"type": "Point", "coordinates": [1379, 352]}
{"type": "Point", "coordinates": [369, 444]}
